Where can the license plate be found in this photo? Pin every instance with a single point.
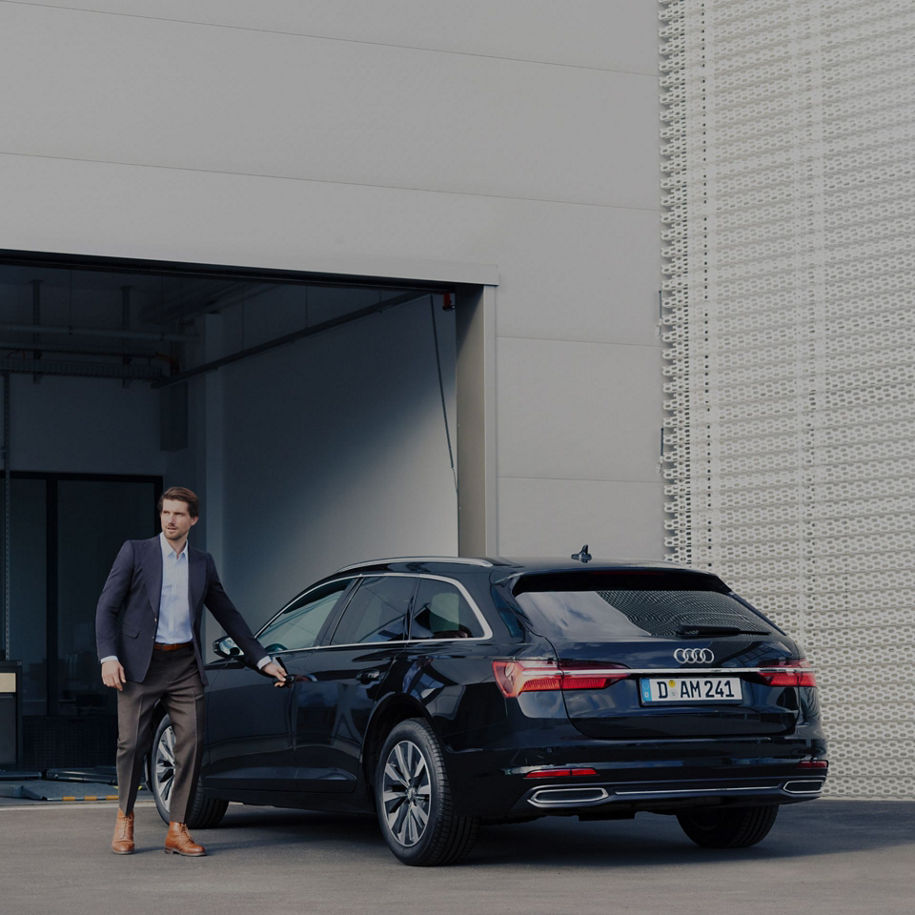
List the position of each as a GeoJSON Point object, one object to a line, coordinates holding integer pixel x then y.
{"type": "Point", "coordinates": [690, 689]}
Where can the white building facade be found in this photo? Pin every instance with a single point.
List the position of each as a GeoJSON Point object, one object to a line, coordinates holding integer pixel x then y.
{"type": "Point", "coordinates": [396, 139]}
{"type": "Point", "coordinates": [789, 207]}
{"type": "Point", "coordinates": [503, 157]}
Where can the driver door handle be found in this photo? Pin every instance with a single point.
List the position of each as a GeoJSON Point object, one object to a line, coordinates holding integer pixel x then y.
{"type": "Point", "coordinates": [369, 676]}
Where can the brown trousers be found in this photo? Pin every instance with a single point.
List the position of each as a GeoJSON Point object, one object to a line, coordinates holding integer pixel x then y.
{"type": "Point", "coordinates": [173, 679]}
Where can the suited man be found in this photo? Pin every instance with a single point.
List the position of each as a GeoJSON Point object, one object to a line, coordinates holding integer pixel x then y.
{"type": "Point", "coordinates": [147, 625]}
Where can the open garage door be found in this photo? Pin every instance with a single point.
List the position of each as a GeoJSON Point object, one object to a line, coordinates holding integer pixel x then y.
{"type": "Point", "coordinates": [314, 414]}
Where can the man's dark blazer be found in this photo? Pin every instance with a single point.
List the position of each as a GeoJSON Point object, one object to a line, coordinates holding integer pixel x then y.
{"type": "Point", "coordinates": [127, 614]}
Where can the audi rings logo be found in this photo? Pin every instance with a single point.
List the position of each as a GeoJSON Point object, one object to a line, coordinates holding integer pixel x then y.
{"type": "Point", "coordinates": [694, 655]}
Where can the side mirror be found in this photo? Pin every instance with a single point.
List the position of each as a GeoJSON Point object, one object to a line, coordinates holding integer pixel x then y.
{"type": "Point", "coordinates": [226, 647]}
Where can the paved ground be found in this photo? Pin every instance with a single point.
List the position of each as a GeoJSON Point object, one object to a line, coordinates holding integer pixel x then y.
{"type": "Point", "coordinates": [821, 857]}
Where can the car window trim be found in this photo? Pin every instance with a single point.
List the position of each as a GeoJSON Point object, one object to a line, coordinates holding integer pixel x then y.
{"type": "Point", "coordinates": [416, 576]}
{"type": "Point", "coordinates": [484, 625]}
{"type": "Point", "coordinates": [330, 625]}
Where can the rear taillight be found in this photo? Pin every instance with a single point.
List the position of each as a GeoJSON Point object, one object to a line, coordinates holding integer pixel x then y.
{"type": "Point", "coordinates": [788, 673]}
{"type": "Point", "coordinates": [516, 677]}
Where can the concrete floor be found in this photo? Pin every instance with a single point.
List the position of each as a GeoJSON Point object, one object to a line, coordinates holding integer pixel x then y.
{"type": "Point", "coordinates": [822, 858]}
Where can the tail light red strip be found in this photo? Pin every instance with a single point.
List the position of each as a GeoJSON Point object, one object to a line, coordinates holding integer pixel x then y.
{"type": "Point", "coordinates": [788, 673]}
{"type": "Point", "coordinates": [524, 676]}
{"type": "Point", "coordinates": [516, 677]}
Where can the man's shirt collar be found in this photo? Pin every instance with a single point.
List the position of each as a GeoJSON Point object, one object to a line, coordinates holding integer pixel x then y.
{"type": "Point", "coordinates": [167, 548]}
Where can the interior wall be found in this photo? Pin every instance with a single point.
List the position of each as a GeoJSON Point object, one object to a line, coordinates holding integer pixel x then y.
{"type": "Point", "coordinates": [333, 450]}
{"type": "Point", "coordinates": [84, 425]}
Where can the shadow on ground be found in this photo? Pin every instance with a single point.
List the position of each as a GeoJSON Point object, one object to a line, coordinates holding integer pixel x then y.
{"type": "Point", "coordinates": [815, 828]}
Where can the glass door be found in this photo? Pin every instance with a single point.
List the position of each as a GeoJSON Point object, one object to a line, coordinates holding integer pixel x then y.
{"type": "Point", "coordinates": [65, 533]}
{"type": "Point", "coordinates": [94, 517]}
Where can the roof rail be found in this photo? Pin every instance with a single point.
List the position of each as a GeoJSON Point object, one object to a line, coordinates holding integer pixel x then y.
{"type": "Point", "coordinates": [465, 560]}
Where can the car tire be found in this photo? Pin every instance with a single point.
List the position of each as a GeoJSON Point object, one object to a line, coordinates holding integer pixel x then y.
{"type": "Point", "coordinates": [203, 812]}
{"type": "Point", "coordinates": [739, 827]}
{"type": "Point", "coordinates": [415, 802]}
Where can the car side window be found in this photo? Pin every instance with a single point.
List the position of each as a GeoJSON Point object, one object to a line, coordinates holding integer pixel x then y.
{"type": "Point", "coordinates": [299, 624]}
{"type": "Point", "coordinates": [377, 611]}
{"type": "Point", "coordinates": [442, 612]}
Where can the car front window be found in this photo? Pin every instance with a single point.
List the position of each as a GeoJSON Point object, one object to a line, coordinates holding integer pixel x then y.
{"type": "Point", "coordinates": [299, 624]}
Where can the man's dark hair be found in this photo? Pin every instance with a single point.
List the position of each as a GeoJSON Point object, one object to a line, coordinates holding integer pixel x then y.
{"type": "Point", "coordinates": [181, 494]}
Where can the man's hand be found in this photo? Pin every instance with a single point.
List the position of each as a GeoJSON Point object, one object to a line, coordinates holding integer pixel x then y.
{"type": "Point", "coordinates": [277, 671]}
{"type": "Point", "coordinates": [113, 674]}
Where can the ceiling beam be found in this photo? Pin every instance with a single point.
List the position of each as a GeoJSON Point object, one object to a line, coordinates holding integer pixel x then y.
{"type": "Point", "coordinates": [65, 330]}
{"type": "Point", "coordinates": [29, 366]}
{"type": "Point", "coordinates": [300, 334]}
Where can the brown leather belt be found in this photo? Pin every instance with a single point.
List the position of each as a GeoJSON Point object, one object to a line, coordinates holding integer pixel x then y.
{"type": "Point", "coordinates": [165, 646]}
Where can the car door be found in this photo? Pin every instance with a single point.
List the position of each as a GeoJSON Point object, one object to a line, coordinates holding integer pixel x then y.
{"type": "Point", "coordinates": [337, 686]}
{"type": "Point", "coordinates": [448, 661]}
{"type": "Point", "coordinates": [249, 733]}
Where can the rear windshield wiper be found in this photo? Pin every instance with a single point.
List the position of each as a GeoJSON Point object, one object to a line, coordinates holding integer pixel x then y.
{"type": "Point", "coordinates": [699, 630]}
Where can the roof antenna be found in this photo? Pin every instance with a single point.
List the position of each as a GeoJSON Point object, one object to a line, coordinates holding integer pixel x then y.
{"type": "Point", "coordinates": [583, 556]}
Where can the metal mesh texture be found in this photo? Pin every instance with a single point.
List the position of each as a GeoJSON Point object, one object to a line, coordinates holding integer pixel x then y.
{"type": "Point", "coordinates": [789, 265]}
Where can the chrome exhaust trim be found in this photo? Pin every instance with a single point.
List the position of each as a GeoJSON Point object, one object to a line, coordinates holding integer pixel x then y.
{"type": "Point", "coordinates": [804, 786]}
{"type": "Point", "coordinates": [546, 798]}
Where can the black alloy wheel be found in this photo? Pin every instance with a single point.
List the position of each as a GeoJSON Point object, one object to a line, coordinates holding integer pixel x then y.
{"type": "Point", "coordinates": [203, 813]}
{"type": "Point", "coordinates": [415, 802]}
{"type": "Point", "coordinates": [738, 827]}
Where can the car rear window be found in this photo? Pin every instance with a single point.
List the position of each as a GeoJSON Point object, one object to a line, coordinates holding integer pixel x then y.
{"type": "Point", "coordinates": [594, 608]}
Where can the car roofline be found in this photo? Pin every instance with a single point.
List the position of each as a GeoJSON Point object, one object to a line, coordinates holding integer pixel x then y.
{"type": "Point", "coordinates": [516, 566]}
{"type": "Point", "coordinates": [457, 560]}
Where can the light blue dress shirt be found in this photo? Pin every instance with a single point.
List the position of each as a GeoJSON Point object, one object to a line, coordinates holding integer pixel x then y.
{"type": "Point", "coordinates": [175, 601]}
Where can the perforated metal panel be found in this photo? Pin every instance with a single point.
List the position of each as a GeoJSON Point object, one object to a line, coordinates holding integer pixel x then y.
{"type": "Point", "coordinates": [789, 252]}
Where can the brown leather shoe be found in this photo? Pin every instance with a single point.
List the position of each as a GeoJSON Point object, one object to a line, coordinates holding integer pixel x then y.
{"type": "Point", "coordinates": [178, 841]}
{"type": "Point", "coordinates": [122, 843]}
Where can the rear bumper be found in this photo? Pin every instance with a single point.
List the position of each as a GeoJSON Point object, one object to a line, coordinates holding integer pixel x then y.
{"type": "Point", "coordinates": [614, 798]}
{"type": "Point", "coordinates": [620, 780]}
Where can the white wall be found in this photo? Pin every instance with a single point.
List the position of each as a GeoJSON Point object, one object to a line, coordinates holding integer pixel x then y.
{"type": "Point", "coordinates": [403, 134]}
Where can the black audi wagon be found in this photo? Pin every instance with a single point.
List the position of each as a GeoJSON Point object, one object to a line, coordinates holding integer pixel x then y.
{"type": "Point", "coordinates": [447, 693]}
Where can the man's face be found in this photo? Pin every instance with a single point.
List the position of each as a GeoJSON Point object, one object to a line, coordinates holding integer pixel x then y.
{"type": "Point", "coordinates": [176, 520]}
